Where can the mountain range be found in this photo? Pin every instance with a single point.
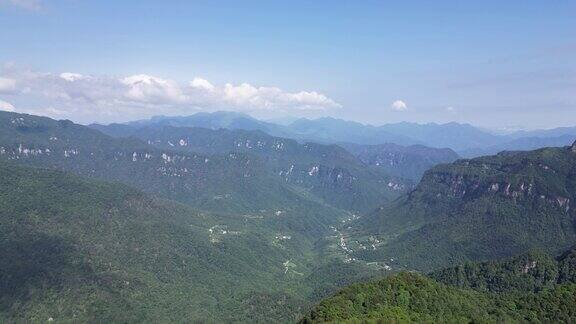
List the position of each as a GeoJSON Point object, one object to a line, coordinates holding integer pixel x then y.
{"type": "Point", "coordinates": [327, 171]}
{"type": "Point", "coordinates": [465, 139]}
{"type": "Point", "coordinates": [269, 176]}
{"type": "Point", "coordinates": [237, 205]}
{"type": "Point", "coordinates": [220, 218]}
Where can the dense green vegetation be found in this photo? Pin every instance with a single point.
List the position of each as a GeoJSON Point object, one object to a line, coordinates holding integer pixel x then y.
{"type": "Point", "coordinates": [259, 227]}
{"type": "Point", "coordinates": [275, 175]}
{"type": "Point", "coordinates": [529, 288]}
{"type": "Point", "coordinates": [480, 209]}
{"type": "Point", "coordinates": [76, 249]}
{"type": "Point", "coordinates": [326, 171]}
{"type": "Point", "coordinates": [260, 252]}
{"type": "Point", "coordinates": [530, 272]}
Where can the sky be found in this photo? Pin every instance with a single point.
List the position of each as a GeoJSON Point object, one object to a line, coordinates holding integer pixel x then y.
{"type": "Point", "coordinates": [498, 64]}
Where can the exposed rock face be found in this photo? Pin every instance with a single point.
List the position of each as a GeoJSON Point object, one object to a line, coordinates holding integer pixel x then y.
{"type": "Point", "coordinates": [573, 148]}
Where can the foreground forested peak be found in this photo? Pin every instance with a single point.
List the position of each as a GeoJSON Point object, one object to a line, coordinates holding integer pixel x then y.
{"type": "Point", "coordinates": [530, 288]}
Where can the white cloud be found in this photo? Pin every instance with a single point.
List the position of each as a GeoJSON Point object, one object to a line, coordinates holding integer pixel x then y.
{"type": "Point", "coordinates": [25, 4]}
{"type": "Point", "coordinates": [148, 89]}
{"type": "Point", "coordinates": [7, 85]}
{"type": "Point", "coordinates": [313, 98]}
{"type": "Point", "coordinates": [74, 94]}
{"type": "Point", "coordinates": [399, 105]}
{"type": "Point", "coordinates": [6, 106]}
{"type": "Point", "coordinates": [272, 97]}
{"type": "Point", "coordinates": [202, 84]}
{"type": "Point", "coordinates": [242, 94]}
{"type": "Point", "coordinates": [450, 108]}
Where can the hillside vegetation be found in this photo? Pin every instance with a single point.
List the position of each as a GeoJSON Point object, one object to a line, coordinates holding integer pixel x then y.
{"type": "Point", "coordinates": [299, 178]}
{"type": "Point", "coordinates": [480, 209]}
{"type": "Point", "coordinates": [82, 250]}
{"type": "Point", "coordinates": [529, 288]}
{"type": "Point", "coordinates": [220, 225]}
{"type": "Point", "coordinates": [325, 171]}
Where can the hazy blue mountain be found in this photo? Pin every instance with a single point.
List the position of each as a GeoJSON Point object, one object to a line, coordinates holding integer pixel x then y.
{"type": "Point", "coordinates": [284, 121]}
{"type": "Point", "coordinates": [404, 161]}
{"type": "Point", "coordinates": [553, 132]}
{"type": "Point", "coordinates": [215, 120]}
{"type": "Point", "coordinates": [453, 135]}
{"type": "Point", "coordinates": [465, 139]}
{"type": "Point", "coordinates": [521, 144]}
{"type": "Point", "coordinates": [334, 130]}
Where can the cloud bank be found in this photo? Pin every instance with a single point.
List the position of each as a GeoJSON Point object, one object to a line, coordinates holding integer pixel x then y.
{"type": "Point", "coordinates": [73, 94]}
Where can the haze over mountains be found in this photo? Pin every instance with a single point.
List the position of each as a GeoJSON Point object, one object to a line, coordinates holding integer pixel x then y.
{"type": "Point", "coordinates": [464, 139]}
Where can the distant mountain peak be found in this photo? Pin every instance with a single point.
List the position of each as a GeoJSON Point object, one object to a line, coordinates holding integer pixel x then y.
{"type": "Point", "coordinates": [573, 147]}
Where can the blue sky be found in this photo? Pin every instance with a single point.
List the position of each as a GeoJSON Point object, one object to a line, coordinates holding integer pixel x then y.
{"type": "Point", "coordinates": [500, 64]}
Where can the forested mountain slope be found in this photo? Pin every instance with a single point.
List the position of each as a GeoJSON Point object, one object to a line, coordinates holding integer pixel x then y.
{"type": "Point", "coordinates": [478, 209]}
{"type": "Point", "coordinates": [83, 250]}
{"type": "Point", "coordinates": [201, 180]}
{"type": "Point", "coordinates": [530, 272]}
{"type": "Point", "coordinates": [528, 288]}
{"type": "Point", "coordinates": [282, 238]}
{"type": "Point", "coordinates": [389, 159]}
{"type": "Point", "coordinates": [233, 183]}
{"type": "Point", "coordinates": [326, 171]}
{"type": "Point", "coordinates": [76, 249]}
{"type": "Point", "coordinates": [242, 182]}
